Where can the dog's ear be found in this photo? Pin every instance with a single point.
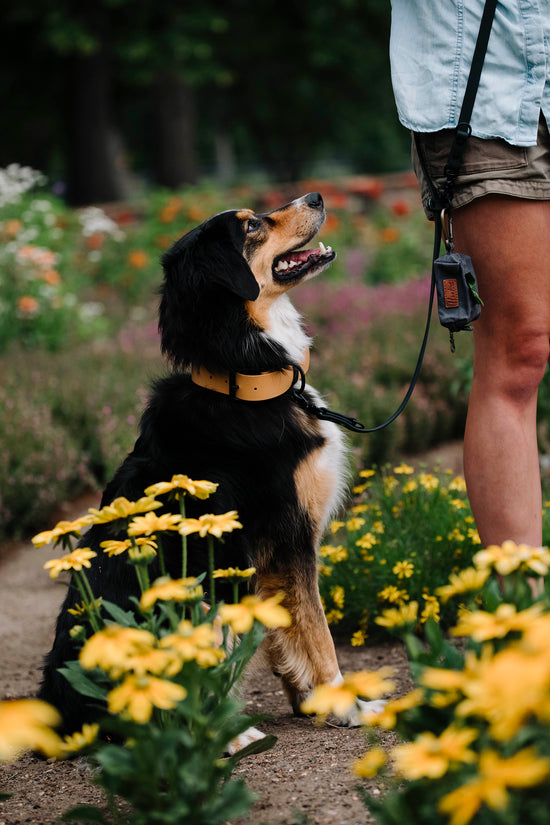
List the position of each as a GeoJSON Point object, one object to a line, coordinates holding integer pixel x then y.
{"type": "Point", "coordinates": [221, 253]}
{"type": "Point", "coordinates": [212, 253]}
{"type": "Point", "coordinates": [193, 309]}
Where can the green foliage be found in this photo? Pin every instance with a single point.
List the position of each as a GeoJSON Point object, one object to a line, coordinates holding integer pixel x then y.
{"type": "Point", "coordinates": [405, 532]}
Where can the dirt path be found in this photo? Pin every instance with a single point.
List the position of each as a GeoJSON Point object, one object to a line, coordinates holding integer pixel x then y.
{"type": "Point", "coordinates": [306, 774]}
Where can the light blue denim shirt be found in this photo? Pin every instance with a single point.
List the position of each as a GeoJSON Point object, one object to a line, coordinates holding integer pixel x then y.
{"type": "Point", "coordinates": [431, 48]}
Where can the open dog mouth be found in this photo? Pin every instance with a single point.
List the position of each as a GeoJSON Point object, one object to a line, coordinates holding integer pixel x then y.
{"type": "Point", "coordinates": [301, 262]}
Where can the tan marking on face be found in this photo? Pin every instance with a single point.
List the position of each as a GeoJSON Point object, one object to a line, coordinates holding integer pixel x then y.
{"type": "Point", "coordinates": [287, 228]}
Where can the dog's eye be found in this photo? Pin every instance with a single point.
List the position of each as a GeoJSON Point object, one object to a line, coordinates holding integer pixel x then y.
{"type": "Point", "coordinates": [253, 225]}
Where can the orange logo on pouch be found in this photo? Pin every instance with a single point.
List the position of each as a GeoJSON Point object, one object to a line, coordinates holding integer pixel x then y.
{"type": "Point", "coordinates": [450, 291]}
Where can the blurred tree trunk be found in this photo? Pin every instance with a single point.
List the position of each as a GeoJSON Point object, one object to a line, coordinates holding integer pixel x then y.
{"type": "Point", "coordinates": [92, 173]}
{"type": "Point", "coordinates": [175, 124]}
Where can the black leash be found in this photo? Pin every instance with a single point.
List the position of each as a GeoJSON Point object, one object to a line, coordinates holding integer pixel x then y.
{"type": "Point", "coordinates": [352, 423]}
{"type": "Point", "coordinates": [439, 203]}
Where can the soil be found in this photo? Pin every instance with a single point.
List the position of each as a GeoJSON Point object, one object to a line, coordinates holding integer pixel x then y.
{"type": "Point", "coordinates": [305, 778]}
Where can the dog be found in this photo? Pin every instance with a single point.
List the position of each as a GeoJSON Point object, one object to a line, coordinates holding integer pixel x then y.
{"type": "Point", "coordinates": [227, 413]}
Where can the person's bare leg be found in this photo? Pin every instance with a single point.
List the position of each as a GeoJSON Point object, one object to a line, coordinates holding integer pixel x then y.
{"type": "Point", "coordinates": [508, 240]}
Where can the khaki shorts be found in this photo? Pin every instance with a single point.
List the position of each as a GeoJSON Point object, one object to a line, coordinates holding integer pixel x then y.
{"type": "Point", "coordinates": [489, 167]}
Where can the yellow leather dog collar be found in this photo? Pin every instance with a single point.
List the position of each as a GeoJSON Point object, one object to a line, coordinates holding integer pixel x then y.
{"type": "Point", "coordinates": [245, 387]}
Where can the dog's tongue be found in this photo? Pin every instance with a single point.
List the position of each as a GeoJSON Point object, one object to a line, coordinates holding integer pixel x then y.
{"type": "Point", "coordinates": [298, 257]}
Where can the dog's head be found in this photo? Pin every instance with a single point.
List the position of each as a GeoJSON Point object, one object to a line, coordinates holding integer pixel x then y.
{"type": "Point", "coordinates": [223, 277]}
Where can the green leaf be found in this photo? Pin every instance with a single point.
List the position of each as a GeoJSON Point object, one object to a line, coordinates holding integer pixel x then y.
{"type": "Point", "coordinates": [126, 618]}
{"type": "Point", "coordinates": [253, 748]}
{"type": "Point", "coordinates": [83, 813]}
{"type": "Point", "coordinates": [492, 596]}
{"type": "Point", "coordinates": [81, 682]}
{"type": "Point", "coordinates": [434, 636]}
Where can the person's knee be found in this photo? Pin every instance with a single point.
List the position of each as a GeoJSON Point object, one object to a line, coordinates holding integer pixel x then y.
{"type": "Point", "coordinates": [517, 370]}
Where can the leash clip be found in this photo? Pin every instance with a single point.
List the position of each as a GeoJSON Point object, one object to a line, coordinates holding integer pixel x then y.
{"type": "Point", "coordinates": [299, 374]}
{"type": "Point", "coordinates": [447, 229]}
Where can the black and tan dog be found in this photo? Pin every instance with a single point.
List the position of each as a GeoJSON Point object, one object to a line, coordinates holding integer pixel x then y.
{"type": "Point", "coordinates": [227, 414]}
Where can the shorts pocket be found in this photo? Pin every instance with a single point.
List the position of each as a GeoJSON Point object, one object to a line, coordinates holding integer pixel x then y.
{"type": "Point", "coordinates": [481, 155]}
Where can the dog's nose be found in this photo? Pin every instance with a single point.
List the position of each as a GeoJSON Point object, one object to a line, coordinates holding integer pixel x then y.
{"type": "Point", "coordinates": [314, 200]}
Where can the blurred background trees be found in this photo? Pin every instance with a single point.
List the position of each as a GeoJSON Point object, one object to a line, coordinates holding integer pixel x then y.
{"type": "Point", "coordinates": [100, 94]}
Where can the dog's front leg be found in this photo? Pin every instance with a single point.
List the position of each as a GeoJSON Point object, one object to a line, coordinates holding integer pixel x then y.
{"type": "Point", "coordinates": [303, 654]}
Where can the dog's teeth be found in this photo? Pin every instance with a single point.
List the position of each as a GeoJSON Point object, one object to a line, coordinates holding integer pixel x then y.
{"type": "Point", "coordinates": [322, 247]}
{"type": "Point", "coordinates": [329, 249]}
{"type": "Point", "coordinates": [282, 265]}
{"type": "Point", "coordinates": [292, 263]}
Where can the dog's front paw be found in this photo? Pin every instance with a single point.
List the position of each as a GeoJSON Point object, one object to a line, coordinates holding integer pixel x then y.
{"type": "Point", "coordinates": [250, 735]}
{"type": "Point", "coordinates": [359, 714]}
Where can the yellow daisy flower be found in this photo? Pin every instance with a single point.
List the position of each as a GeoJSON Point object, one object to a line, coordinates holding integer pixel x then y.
{"type": "Point", "coordinates": [62, 528]}
{"type": "Point", "coordinates": [81, 609]}
{"type": "Point", "coordinates": [215, 525]}
{"type": "Point", "coordinates": [172, 590]}
{"type": "Point", "coordinates": [337, 595]}
{"type": "Point", "coordinates": [358, 639]}
{"type": "Point", "coordinates": [26, 725]}
{"type": "Point", "coordinates": [240, 617]}
{"type": "Point", "coordinates": [234, 573]}
{"type": "Point", "coordinates": [510, 556]}
{"type": "Point", "coordinates": [152, 523]}
{"type": "Point", "coordinates": [110, 648]}
{"type": "Point", "coordinates": [336, 525]}
{"type": "Point", "coordinates": [392, 594]}
{"type": "Point", "coordinates": [199, 644]}
{"type": "Point", "coordinates": [367, 541]}
{"type": "Point", "coordinates": [179, 482]}
{"type": "Point", "coordinates": [334, 554]}
{"type": "Point", "coordinates": [138, 695]}
{"type": "Point", "coordinates": [506, 690]}
{"type": "Point", "coordinates": [403, 469]}
{"type": "Point", "coordinates": [482, 626]}
{"type": "Point", "coordinates": [339, 699]}
{"type": "Point", "coordinates": [405, 615]}
{"type": "Point", "coordinates": [458, 484]}
{"type": "Point", "coordinates": [369, 765]}
{"type": "Point", "coordinates": [79, 558]}
{"type": "Point", "coordinates": [431, 610]}
{"type": "Point", "coordinates": [428, 481]}
{"type": "Point", "coordinates": [430, 756]}
{"type": "Point", "coordinates": [387, 718]}
{"type": "Point", "coordinates": [367, 473]}
{"type": "Point", "coordinates": [116, 548]}
{"type": "Point", "coordinates": [469, 580]}
{"type": "Point", "coordinates": [524, 769]}
{"type": "Point", "coordinates": [334, 616]}
{"type": "Point", "coordinates": [403, 569]}
{"type": "Point", "coordinates": [80, 739]}
{"type": "Point", "coordinates": [355, 523]}
{"type": "Point", "coordinates": [121, 508]}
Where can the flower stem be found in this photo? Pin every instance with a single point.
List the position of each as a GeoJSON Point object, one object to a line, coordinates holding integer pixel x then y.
{"type": "Point", "coordinates": [161, 558]}
{"type": "Point", "coordinates": [85, 592]}
{"type": "Point", "coordinates": [183, 541]}
{"type": "Point", "coordinates": [211, 569]}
